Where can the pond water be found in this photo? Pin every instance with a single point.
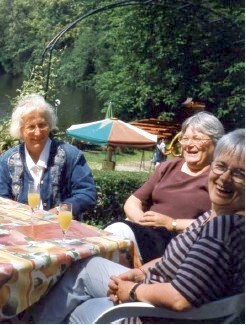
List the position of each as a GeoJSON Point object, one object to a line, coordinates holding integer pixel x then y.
{"type": "Point", "coordinates": [77, 106]}
{"type": "Point", "coordinates": [8, 88]}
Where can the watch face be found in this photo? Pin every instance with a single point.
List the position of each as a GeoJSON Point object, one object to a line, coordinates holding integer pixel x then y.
{"type": "Point", "coordinates": [132, 293]}
{"type": "Point", "coordinates": [133, 296]}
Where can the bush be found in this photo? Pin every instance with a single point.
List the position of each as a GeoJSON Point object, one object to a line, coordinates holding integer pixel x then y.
{"type": "Point", "coordinates": [6, 141]}
{"type": "Point", "coordinates": [113, 188]}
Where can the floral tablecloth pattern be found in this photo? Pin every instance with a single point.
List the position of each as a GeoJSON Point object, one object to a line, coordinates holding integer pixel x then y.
{"type": "Point", "coordinates": [32, 257]}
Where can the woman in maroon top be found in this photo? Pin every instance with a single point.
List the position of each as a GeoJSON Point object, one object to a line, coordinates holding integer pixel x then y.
{"type": "Point", "coordinates": [175, 193]}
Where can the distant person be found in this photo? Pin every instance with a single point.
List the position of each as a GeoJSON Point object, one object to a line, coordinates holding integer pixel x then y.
{"type": "Point", "coordinates": [202, 264]}
{"type": "Point", "coordinates": [59, 168]}
{"type": "Point", "coordinates": [176, 193]}
{"type": "Point", "coordinates": [160, 152]}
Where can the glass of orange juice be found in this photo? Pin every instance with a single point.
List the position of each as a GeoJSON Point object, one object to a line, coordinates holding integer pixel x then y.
{"type": "Point", "coordinates": [65, 218]}
{"type": "Point", "coordinates": [33, 197]}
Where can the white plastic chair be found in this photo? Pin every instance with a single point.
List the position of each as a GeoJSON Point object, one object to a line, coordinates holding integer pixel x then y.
{"type": "Point", "coordinates": [230, 309]}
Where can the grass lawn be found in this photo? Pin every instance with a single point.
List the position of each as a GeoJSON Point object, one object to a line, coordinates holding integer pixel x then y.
{"type": "Point", "coordinates": [125, 160]}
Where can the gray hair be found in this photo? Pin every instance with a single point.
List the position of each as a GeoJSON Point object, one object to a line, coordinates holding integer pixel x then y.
{"type": "Point", "coordinates": [27, 105]}
{"type": "Point", "coordinates": [232, 143]}
{"type": "Point", "coordinates": [204, 122]}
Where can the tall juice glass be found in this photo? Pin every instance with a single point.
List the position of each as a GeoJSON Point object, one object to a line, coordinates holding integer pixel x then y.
{"type": "Point", "coordinates": [33, 197]}
{"type": "Point", "coordinates": [65, 218]}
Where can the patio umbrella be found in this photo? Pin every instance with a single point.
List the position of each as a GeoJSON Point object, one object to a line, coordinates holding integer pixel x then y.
{"type": "Point", "coordinates": [112, 132]}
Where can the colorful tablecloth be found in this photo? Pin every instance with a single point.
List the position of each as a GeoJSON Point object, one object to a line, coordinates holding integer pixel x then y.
{"type": "Point", "coordinates": [32, 257]}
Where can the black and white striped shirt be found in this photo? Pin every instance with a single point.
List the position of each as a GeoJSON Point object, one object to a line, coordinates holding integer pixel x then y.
{"type": "Point", "coordinates": [206, 261]}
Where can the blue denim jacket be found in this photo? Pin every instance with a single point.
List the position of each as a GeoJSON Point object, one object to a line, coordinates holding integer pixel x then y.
{"type": "Point", "coordinates": [67, 178]}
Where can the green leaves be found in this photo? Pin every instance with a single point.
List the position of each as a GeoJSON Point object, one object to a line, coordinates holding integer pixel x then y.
{"type": "Point", "coordinates": [146, 59]}
{"type": "Point", "coordinates": [6, 141]}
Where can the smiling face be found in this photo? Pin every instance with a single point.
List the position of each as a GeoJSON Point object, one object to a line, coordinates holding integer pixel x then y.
{"type": "Point", "coordinates": [35, 133]}
{"type": "Point", "coordinates": [197, 154]}
{"type": "Point", "coordinates": [226, 194]}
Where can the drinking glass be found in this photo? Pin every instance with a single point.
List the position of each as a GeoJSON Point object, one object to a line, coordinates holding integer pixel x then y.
{"type": "Point", "coordinates": [65, 218]}
{"type": "Point", "coordinates": [33, 197]}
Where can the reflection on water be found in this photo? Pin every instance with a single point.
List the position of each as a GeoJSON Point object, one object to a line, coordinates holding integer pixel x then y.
{"type": "Point", "coordinates": [77, 106]}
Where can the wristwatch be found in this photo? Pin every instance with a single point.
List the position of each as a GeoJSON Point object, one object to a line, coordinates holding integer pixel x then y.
{"type": "Point", "coordinates": [132, 293]}
{"type": "Point", "coordinates": [174, 224]}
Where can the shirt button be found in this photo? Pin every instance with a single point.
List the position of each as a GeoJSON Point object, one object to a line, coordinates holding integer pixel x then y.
{"type": "Point", "coordinates": [42, 182]}
{"type": "Point", "coordinates": [44, 204]}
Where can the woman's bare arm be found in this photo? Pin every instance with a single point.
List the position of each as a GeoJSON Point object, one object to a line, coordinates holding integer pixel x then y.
{"type": "Point", "coordinates": [159, 294]}
{"type": "Point", "coordinates": [162, 294]}
{"type": "Point", "coordinates": [155, 219]}
{"type": "Point", "coordinates": [133, 209]}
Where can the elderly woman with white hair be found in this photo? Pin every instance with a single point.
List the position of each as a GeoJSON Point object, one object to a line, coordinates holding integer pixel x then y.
{"type": "Point", "coordinates": [59, 168]}
{"type": "Point", "coordinates": [176, 193]}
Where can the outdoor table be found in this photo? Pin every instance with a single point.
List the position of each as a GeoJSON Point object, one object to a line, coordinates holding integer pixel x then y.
{"type": "Point", "coordinates": [32, 257]}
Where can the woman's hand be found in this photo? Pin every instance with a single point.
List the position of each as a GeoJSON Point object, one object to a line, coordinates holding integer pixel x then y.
{"type": "Point", "coordinates": [124, 288]}
{"type": "Point", "coordinates": [133, 276]}
{"type": "Point", "coordinates": [155, 219]}
{"type": "Point", "coordinates": [120, 289]}
{"type": "Point", "coordinates": [53, 211]}
{"type": "Point", "coordinates": [113, 288]}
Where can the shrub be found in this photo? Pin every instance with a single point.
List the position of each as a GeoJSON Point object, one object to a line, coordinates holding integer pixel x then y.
{"type": "Point", "coordinates": [113, 188]}
{"type": "Point", "coordinates": [6, 141]}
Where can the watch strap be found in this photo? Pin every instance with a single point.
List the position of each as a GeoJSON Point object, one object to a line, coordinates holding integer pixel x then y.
{"type": "Point", "coordinates": [132, 293]}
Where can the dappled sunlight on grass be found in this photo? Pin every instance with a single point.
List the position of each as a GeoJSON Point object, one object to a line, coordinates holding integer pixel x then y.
{"type": "Point", "coordinates": [130, 160]}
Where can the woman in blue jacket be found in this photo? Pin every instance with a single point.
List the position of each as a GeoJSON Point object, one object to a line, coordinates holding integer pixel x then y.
{"type": "Point", "coordinates": [59, 168]}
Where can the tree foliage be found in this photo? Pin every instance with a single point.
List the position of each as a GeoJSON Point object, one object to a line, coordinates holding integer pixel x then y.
{"type": "Point", "coordinates": [146, 59]}
{"type": "Point", "coordinates": [6, 141]}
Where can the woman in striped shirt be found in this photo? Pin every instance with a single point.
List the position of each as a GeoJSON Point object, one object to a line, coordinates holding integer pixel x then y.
{"type": "Point", "coordinates": [202, 264]}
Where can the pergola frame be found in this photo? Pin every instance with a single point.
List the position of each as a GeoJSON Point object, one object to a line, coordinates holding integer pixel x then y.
{"type": "Point", "coordinates": [183, 4]}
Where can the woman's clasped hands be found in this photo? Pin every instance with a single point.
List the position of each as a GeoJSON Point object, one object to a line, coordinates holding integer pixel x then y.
{"type": "Point", "coordinates": [155, 219]}
{"type": "Point", "coordinates": [120, 286]}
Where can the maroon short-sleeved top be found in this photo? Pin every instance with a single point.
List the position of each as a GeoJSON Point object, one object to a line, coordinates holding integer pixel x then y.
{"type": "Point", "coordinates": [174, 193]}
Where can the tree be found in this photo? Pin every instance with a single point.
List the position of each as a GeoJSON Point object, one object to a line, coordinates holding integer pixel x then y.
{"type": "Point", "coordinates": [146, 59]}
{"type": "Point", "coordinates": [198, 52]}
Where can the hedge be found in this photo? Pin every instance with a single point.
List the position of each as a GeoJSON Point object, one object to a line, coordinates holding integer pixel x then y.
{"type": "Point", "coordinates": [113, 188]}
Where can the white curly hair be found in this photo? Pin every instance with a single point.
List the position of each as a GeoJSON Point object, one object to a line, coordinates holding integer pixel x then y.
{"type": "Point", "coordinates": [27, 105]}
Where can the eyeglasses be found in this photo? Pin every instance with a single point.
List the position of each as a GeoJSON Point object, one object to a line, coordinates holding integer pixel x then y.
{"type": "Point", "coordinates": [237, 174]}
{"type": "Point", "coordinates": [41, 126]}
{"type": "Point", "coordinates": [196, 141]}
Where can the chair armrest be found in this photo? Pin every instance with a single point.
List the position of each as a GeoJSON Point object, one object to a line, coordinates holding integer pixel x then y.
{"type": "Point", "coordinates": [221, 308]}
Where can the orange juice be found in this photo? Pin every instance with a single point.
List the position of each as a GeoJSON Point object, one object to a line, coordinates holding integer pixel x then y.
{"type": "Point", "coordinates": [64, 218]}
{"type": "Point", "coordinates": [33, 199]}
